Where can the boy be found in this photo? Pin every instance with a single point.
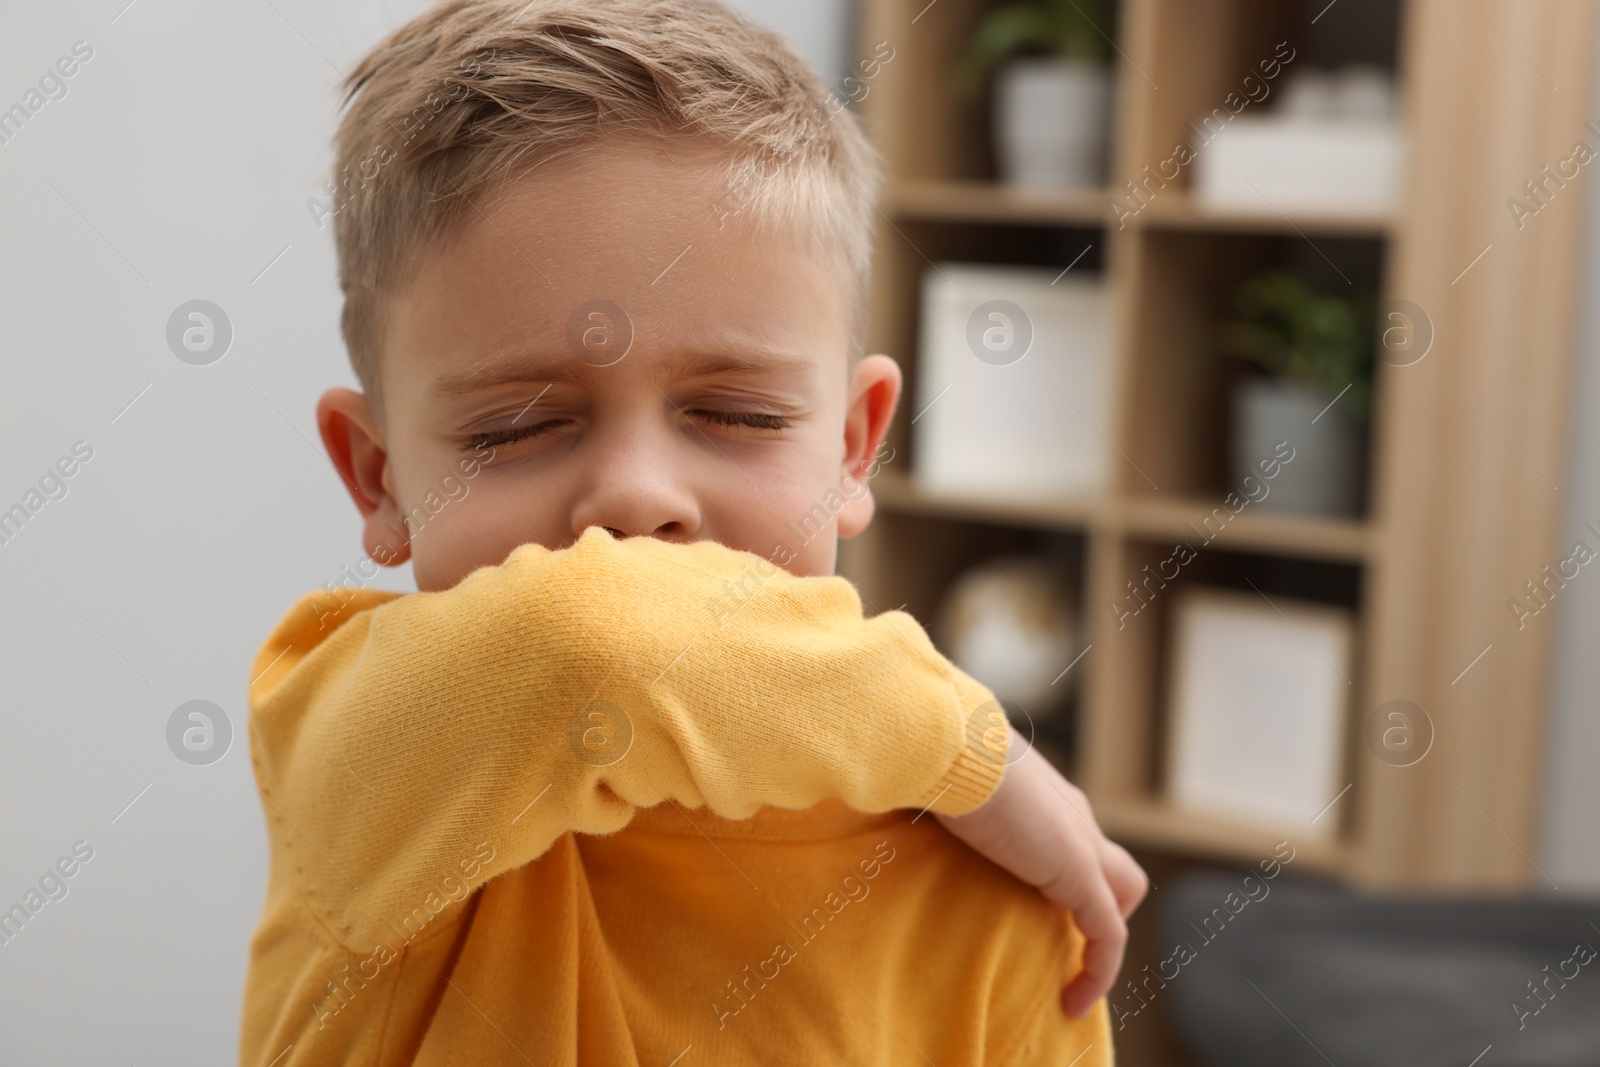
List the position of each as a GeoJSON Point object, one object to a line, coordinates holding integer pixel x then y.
{"type": "Point", "coordinates": [631, 779]}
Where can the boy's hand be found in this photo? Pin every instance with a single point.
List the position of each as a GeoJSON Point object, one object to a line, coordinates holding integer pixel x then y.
{"type": "Point", "coordinates": [1038, 826]}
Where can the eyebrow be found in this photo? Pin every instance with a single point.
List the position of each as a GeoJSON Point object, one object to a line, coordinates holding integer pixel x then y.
{"type": "Point", "coordinates": [521, 368]}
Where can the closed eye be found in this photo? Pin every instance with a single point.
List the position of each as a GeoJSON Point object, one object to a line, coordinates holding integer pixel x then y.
{"type": "Point", "coordinates": [760, 420]}
{"type": "Point", "coordinates": [501, 438]}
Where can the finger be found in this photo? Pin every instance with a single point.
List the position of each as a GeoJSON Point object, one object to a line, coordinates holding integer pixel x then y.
{"type": "Point", "coordinates": [1105, 937]}
{"type": "Point", "coordinates": [1129, 883]}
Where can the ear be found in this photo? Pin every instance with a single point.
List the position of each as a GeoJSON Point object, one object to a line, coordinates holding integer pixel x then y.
{"type": "Point", "coordinates": [355, 445]}
{"type": "Point", "coordinates": [874, 393]}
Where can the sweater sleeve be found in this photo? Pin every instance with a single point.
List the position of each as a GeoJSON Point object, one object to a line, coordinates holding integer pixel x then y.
{"type": "Point", "coordinates": [410, 747]}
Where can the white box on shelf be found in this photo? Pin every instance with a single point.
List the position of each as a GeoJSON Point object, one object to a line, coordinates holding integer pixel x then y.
{"type": "Point", "coordinates": [1263, 163]}
{"type": "Point", "coordinates": [1259, 695]}
{"type": "Point", "coordinates": [1012, 382]}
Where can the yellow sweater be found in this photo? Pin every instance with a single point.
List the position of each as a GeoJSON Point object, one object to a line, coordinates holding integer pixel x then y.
{"type": "Point", "coordinates": [635, 803]}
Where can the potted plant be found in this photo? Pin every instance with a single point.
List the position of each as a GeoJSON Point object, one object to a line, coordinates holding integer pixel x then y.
{"type": "Point", "coordinates": [1052, 96]}
{"type": "Point", "coordinates": [1316, 352]}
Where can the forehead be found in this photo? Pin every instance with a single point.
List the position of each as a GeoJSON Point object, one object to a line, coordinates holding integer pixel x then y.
{"type": "Point", "coordinates": [627, 238]}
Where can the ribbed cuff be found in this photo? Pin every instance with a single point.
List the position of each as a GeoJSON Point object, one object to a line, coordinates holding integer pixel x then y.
{"type": "Point", "coordinates": [981, 763]}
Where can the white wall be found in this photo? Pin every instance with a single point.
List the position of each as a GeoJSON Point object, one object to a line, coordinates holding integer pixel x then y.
{"type": "Point", "coordinates": [1572, 786]}
{"type": "Point", "coordinates": [176, 167]}
{"type": "Point", "coordinates": [820, 29]}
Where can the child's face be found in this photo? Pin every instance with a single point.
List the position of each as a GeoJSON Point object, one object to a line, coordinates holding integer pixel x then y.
{"type": "Point", "coordinates": [523, 323]}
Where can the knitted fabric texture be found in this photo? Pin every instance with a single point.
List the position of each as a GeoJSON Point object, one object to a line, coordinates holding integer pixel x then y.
{"type": "Point", "coordinates": [460, 875]}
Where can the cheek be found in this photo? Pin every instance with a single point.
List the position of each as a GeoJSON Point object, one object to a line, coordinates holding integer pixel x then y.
{"type": "Point", "coordinates": [480, 529]}
{"type": "Point", "coordinates": [791, 517]}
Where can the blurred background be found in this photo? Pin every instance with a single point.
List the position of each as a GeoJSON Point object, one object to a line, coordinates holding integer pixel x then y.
{"type": "Point", "coordinates": [1246, 454]}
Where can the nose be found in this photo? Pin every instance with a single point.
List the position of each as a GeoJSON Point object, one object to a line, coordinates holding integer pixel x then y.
{"type": "Point", "coordinates": [635, 486]}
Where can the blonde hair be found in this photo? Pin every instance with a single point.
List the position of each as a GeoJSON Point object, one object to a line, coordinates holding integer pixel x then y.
{"type": "Point", "coordinates": [473, 92]}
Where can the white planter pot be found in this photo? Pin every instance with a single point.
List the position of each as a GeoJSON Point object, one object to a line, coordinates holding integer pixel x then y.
{"type": "Point", "coordinates": [1324, 477]}
{"type": "Point", "coordinates": [1052, 123]}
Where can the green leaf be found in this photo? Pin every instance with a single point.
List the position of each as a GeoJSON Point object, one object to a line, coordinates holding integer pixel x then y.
{"type": "Point", "coordinates": [1005, 32]}
{"type": "Point", "coordinates": [1324, 340]}
{"type": "Point", "coordinates": [1071, 29]}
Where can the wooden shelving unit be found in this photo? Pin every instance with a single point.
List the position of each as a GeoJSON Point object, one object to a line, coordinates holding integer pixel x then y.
{"type": "Point", "coordinates": [1143, 517]}
{"type": "Point", "coordinates": [1457, 518]}
{"type": "Point", "coordinates": [1465, 446]}
{"type": "Point", "coordinates": [968, 202]}
{"type": "Point", "coordinates": [985, 202]}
